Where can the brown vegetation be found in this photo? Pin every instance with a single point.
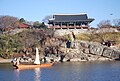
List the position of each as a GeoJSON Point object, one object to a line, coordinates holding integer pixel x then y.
{"type": "Point", "coordinates": [100, 37]}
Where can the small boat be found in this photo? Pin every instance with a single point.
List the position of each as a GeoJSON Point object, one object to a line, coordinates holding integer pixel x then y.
{"type": "Point", "coordinates": [36, 64]}
{"type": "Point", "coordinates": [32, 66]}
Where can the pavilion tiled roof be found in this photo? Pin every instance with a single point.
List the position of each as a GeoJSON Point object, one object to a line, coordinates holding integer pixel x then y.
{"type": "Point", "coordinates": [23, 25]}
{"type": "Point", "coordinates": [70, 18]}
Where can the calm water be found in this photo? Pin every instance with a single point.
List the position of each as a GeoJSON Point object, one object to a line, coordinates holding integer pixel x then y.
{"type": "Point", "coordinates": [75, 71]}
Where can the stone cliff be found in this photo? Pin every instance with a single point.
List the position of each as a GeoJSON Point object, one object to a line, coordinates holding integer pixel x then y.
{"type": "Point", "coordinates": [84, 51]}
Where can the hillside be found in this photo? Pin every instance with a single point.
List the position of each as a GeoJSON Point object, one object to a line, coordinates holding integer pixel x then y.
{"type": "Point", "coordinates": [24, 42]}
{"type": "Point", "coordinates": [101, 37]}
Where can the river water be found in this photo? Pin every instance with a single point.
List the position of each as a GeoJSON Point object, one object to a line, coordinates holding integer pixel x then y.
{"type": "Point", "coordinates": [71, 71]}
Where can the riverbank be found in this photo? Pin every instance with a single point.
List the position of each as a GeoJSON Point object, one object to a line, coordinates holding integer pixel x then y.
{"type": "Point", "coordinates": [5, 60]}
{"type": "Point", "coordinates": [84, 51]}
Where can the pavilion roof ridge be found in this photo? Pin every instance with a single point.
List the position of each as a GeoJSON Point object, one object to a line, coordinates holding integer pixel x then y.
{"type": "Point", "coordinates": [70, 14]}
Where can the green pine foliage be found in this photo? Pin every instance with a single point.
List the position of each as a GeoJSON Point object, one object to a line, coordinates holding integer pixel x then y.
{"type": "Point", "coordinates": [11, 44]}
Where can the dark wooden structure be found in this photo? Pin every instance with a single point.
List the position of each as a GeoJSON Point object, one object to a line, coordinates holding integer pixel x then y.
{"type": "Point", "coordinates": [70, 21]}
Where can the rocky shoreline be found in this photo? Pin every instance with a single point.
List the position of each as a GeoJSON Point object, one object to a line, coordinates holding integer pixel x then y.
{"type": "Point", "coordinates": [84, 51]}
{"type": "Point", "coordinates": [87, 51]}
{"type": "Point", "coordinates": [5, 60]}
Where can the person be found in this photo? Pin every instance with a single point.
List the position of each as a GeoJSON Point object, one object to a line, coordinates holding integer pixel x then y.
{"type": "Point", "coordinates": [45, 60]}
{"type": "Point", "coordinates": [14, 61]}
{"type": "Point", "coordinates": [74, 37]}
{"type": "Point", "coordinates": [68, 43]}
{"type": "Point", "coordinates": [108, 43]}
{"type": "Point", "coordinates": [74, 40]}
{"type": "Point", "coordinates": [18, 62]}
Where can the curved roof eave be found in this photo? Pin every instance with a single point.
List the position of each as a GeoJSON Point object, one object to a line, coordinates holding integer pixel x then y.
{"type": "Point", "coordinates": [87, 20]}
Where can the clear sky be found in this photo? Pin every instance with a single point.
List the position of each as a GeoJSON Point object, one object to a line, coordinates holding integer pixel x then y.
{"type": "Point", "coordinates": [36, 10]}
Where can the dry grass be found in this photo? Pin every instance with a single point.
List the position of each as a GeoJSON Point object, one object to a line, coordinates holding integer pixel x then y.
{"type": "Point", "coordinates": [100, 37]}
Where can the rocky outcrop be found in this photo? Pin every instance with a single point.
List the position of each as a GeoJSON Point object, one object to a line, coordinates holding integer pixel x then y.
{"type": "Point", "coordinates": [86, 51]}
{"type": "Point", "coordinates": [99, 51]}
{"type": "Point", "coordinates": [57, 51]}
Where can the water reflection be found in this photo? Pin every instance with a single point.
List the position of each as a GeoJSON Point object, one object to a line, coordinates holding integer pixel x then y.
{"type": "Point", "coordinates": [37, 74]}
{"type": "Point", "coordinates": [17, 74]}
{"type": "Point", "coordinates": [32, 75]}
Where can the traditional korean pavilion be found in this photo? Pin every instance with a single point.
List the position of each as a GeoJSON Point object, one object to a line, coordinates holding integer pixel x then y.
{"type": "Point", "coordinates": [70, 21]}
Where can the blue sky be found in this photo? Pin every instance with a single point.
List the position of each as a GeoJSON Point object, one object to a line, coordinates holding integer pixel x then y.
{"type": "Point", "coordinates": [36, 10]}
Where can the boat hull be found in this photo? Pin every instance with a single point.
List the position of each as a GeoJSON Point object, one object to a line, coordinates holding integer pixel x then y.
{"type": "Point", "coordinates": [24, 66]}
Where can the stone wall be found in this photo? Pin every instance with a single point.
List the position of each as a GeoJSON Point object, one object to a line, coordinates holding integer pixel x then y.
{"type": "Point", "coordinates": [61, 32]}
{"type": "Point", "coordinates": [100, 50]}
{"type": "Point", "coordinates": [86, 51]}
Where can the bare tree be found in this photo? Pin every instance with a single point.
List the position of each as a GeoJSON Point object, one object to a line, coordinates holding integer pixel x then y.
{"type": "Point", "coordinates": [116, 22]}
{"type": "Point", "coordinates": [45, 20]}
{"type": "Point", "coordinates": [6, 21]}
{"type": "Point", "coordinates": [104, 24]}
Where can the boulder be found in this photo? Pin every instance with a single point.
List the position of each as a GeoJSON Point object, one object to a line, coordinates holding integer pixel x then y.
{"type": "Point", "coordinates": [108, 52]}
{"type": "Point", "coordinates": [84, 45]}
{"type": "Point", "coordinates": [87, 51]}
{"type": "Point", "coordinates": [97, 50]}
{"type": "Point", "coordinates": [116, 54]}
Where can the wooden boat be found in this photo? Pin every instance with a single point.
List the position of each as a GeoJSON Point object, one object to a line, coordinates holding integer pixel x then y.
{"type": "Point", "coordinates": [32, 66]}
{"type": "Point", "coordinates": [35, 65]}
